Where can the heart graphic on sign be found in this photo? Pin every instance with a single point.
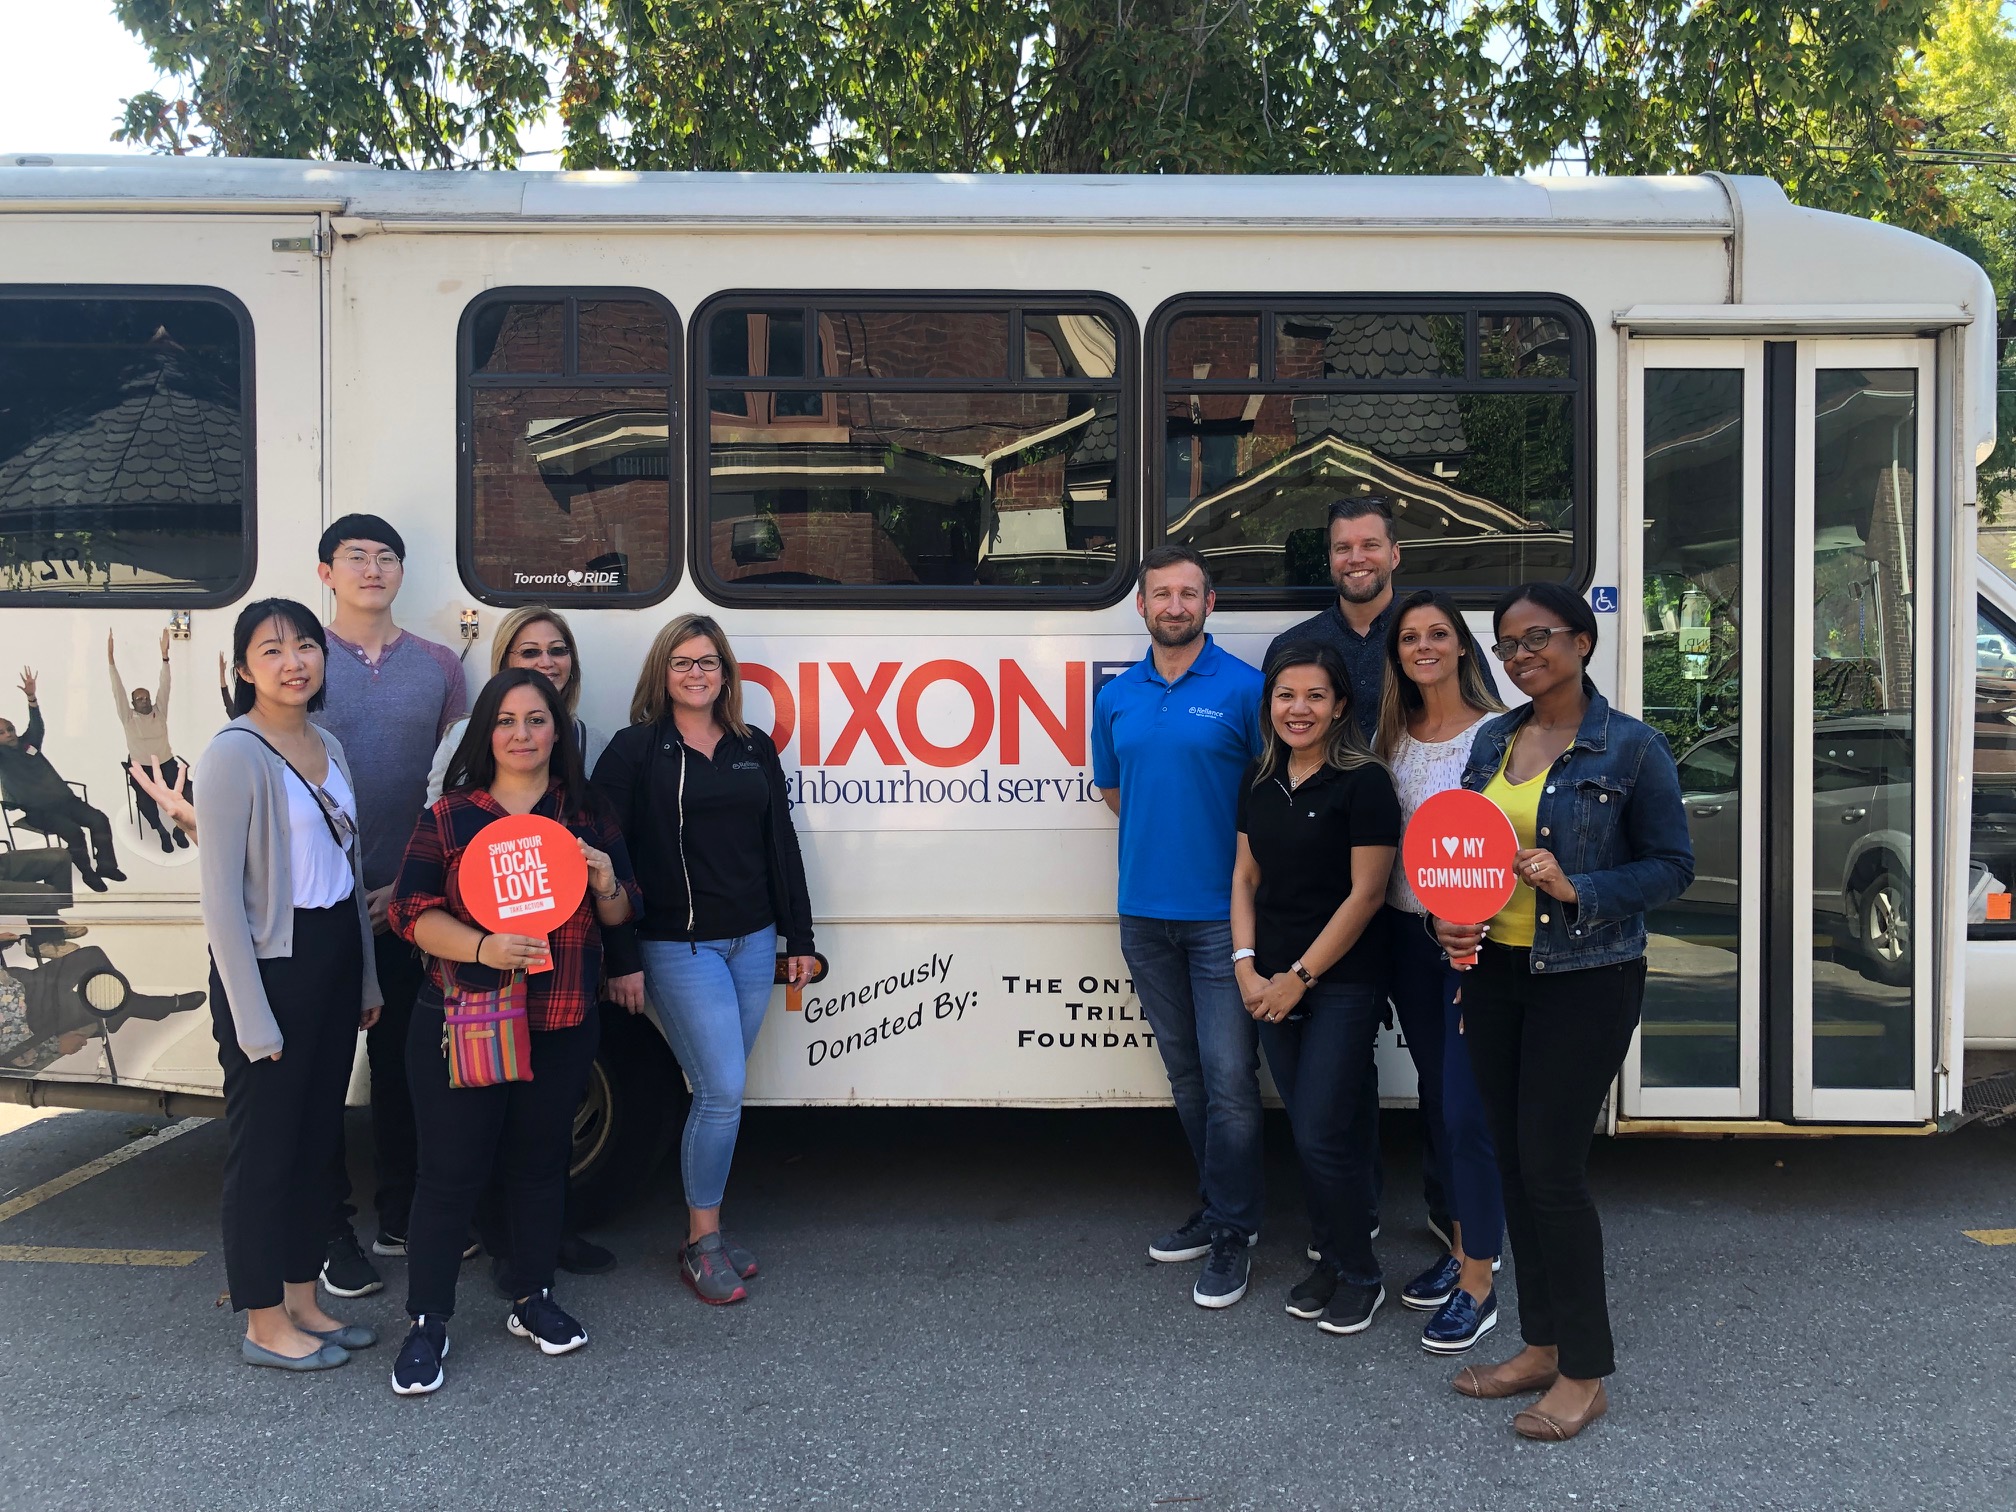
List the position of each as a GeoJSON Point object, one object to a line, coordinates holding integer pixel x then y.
{"type": "Point", "coordinates": [1448, 845]}
{"type": "Point", "coordinates": [574, 576]}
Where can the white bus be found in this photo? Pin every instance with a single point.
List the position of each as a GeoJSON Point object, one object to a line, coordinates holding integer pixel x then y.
{"type": "Point", "coordinates": [909, 437]}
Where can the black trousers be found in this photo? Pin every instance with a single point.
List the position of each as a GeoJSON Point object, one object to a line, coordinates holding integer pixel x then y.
{"type": "Point", "coordinates": [521, 1131]}
{"type": "Point", "coordinates": [394, 1146]}
{"type": "Point", "coordinates": [37, 884]}
{"type": "Point", "coordinates": [68, 819]}
{"type": "Point", "coordinates": [1545, 1049]}
{"type": "Point", "coordinates": [143, 801]}
{"type": "Point", "coordinates": [283, 1118]}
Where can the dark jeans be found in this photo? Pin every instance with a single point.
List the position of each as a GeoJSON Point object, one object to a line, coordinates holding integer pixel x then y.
{"type": "Point", "coordinates": [37, 885]}
{"type": "Point", "coordinates": [1460, 1169]}
{"type": "Point", "coordinates": [143, 800]}
{"type": "Point", "coordinates": [1183, 975]}
{"type": "Point", "coordinates": [1545, 1049]}
{"type": "Point", "coordinates": [524, 1131]}
{"type": "Point", "coordinates": [1319, 1062]}
{"type": "Point", "coordinates": [283, 1118]}
{"type": "Point", "coordinates": [68, 819]}
{"type": "Point", "coordinates": [394, 1144]}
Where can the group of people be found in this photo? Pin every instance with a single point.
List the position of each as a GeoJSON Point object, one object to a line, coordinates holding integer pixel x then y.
{"type": "Point", "coordinates": [334, 810]}
{"type": "Point", "coordinates": [1261, 912]}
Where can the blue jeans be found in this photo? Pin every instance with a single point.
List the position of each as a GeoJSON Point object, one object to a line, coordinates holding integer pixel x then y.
{"type": "Point", "coordinates": [1183, 976]}
{"type": "Point", "coordinates": [1319, 1063]}
{"type": "Point", "coordinates": [1455, 1132]}
{"type": "Point", "coordinates": [710, 1000]}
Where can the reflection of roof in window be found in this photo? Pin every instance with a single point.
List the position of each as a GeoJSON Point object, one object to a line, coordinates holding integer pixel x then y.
{"type": "Point", "coordinates": [159, 444]}
{"type": "Point", "coordinates": [1404, 426]}
{"type": "Point", "coordinates": [1101, 442]}
{"type": "Point", "coordinates": [1691, 405]}
{"type": "Point", "coordinates": [1381, 346]}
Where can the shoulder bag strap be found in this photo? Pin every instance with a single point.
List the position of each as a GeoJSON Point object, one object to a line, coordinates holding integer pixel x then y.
{"type": "Point", "coordinates": [321, 807]}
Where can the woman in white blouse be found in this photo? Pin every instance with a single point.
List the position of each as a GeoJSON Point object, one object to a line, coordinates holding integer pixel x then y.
{"type": "Point", "coordinates": [1437, 693]}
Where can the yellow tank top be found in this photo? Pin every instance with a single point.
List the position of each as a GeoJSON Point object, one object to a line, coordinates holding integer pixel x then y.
{"type": "Point", "coordinates": [1520, 802]}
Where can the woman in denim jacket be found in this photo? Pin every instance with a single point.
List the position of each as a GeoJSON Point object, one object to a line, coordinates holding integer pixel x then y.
{"type": "Point", "coordinates": [1595, 800]}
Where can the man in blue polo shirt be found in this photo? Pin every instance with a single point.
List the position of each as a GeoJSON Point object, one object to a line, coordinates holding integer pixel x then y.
{"type": "Point", "coordinates": [1171, 737]}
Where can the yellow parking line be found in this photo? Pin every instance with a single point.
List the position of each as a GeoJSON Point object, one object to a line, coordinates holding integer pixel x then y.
{"type": "Point", "coordinates": [1991, 1236]}
{"type": "Point", "coordinates": [56, 1254]}
{"type": "Point", "coordinates": [98, 1167]}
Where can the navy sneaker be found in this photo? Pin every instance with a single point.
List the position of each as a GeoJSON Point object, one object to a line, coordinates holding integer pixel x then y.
{"type": "Point", "coordinates": [1313, 1292]}
{"type": "Point", "coordinates": [1351, 1310]}
{"type": "Point", "coordinates": [546, 1323]}
{"type": "Point", "coordinates": [417, 1371]}
{"type": "Point", "coordinates": [345, 1271]}
{"type": "Point", "coordinates": [1432, 1287]}
{"type": "Point", "coordinates": [1223, 1280]}
{"type": "Point", "coordinates": [1460, 1323]}
{"type": "Point", "coordinates": [1190, 1240]}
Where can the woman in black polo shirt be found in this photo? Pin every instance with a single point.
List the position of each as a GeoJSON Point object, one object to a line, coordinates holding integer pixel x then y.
{"type": "Point", "coordinates": [1318, 828]}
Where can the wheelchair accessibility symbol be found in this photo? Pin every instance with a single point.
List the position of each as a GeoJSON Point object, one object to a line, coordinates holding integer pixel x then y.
{"type": "Point", "coordinates": [1603, 600]}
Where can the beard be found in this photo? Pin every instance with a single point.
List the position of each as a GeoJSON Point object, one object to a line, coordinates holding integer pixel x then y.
{"type": "Point", "coordinates": [1174, 636]}
{"type": "Point", "coordinates": [1380, 583]}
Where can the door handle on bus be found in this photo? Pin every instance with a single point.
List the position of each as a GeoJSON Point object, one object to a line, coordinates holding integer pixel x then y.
{"type": "Point", "coordinates": [1854, 815]}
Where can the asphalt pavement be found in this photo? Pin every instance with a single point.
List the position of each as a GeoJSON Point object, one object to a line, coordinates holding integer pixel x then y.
{"type": "Point", "coordinates": [956, 1311]}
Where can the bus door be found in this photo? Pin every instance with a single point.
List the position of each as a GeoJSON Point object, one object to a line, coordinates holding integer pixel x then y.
{"type": "Point", "coordinates": [1782, 503]}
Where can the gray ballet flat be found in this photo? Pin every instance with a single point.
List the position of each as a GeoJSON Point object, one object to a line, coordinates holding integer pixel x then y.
{"type": "Point", "coordinates": [349, 1336]}
{"type": "Point", "coordinates": [328, 1357]}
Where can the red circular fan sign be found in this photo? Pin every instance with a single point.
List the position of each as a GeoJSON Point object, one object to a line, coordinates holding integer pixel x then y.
{"type": "Point", "coordinates": [522, 875]}
{"type": "Point", "coordinates": [1458, 852]}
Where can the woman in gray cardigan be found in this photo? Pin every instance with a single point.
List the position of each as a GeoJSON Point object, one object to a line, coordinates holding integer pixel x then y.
{"type": "Point", "coordinates": [291, 978]}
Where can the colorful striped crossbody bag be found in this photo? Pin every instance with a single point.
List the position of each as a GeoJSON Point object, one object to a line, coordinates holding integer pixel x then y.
{"type": "Point", "coordinates": [486, 1036]}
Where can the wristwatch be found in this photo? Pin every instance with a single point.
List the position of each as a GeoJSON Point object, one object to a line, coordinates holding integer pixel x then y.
{"type": "Point", "coordinates": [1303, 972]}
{"type": "Point", "coordinates": [1243, 953]}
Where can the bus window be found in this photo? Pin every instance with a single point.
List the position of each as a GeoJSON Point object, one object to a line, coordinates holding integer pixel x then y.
{"type": "Point", "coordinates": [1467, 417]}
{"type": "Point", "coordinates": [1992, 853]}
{"type": "Point", "coordinates": [125, 457]}
{"type": "Point", "coordinates": [906, 452]}
{"type": "Point", "coordinates": [567, 473]}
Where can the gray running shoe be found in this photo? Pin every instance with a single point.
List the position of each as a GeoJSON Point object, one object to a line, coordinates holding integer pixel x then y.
{"type": "Point", "coordinates": [743, 1262]}
{"type": "Point", "coordinates": [704, 1266]}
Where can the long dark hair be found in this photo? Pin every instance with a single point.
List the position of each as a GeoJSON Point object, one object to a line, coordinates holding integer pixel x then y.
{"type": "Point", "coordinates": [296, 617]}
{"type": "Point", "coordinates": [474, 764]}
{"type": "Point", "coordinates": [1345, 748]}
{"type": "Point", "coordinates": [1402, 697]}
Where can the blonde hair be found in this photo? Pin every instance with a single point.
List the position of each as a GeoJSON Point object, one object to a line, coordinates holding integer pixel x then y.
{"type": "Point", "coordinates": [514, 625]}
{"type": "Point", "coordinates": [652, 702]}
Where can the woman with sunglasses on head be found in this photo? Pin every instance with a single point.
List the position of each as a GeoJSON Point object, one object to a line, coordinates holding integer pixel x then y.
{"type": "Point", "coordinates": [1437, 695]}
{"type": "Point", "coordinates": [1318, 827]}
{"type": "Point", "coordinates": [703, 803]}
{"type": "Point", "coordinates": [291, 978]}
{"type": "Point", "coordinates": [1552, 1003]}
{"type": "Point", "coordinates": [534, 636]}
{"type": "Point", "coordinates": [517, 757]}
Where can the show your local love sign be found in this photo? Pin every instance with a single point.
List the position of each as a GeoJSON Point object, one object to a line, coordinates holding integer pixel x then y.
{"type": "Point", "coordinates": [522, 875]}
{"type": "Point", "coordinates": [1458, 851]}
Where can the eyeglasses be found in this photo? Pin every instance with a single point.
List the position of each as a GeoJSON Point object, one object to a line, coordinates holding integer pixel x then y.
{"type": "Point", "coordinates": [1535, 640]}
{"type": "Point", "coordinates": [685, 664]}
{"type": "Point", "coordinates": [357, 561]}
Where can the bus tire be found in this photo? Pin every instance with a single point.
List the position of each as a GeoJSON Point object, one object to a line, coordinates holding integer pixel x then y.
{"type": "Point", "coordinates": [633, 1109]}
{"type": "Point", "coordinates": [1883, 928]}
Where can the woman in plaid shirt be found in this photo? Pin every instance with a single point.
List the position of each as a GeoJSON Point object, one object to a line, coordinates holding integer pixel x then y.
{"type": "Point", "coordinates": [518, 756]}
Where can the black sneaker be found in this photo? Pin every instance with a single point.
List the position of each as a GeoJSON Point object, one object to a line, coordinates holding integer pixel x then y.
{"type": "Point", "coordinates": [1351, 1310]}
{"type": "Point", "coordinates": [418, 1371]}
{"type": "Point", "coordinates": [1313, 1292]}
{"type": "Point", "coordinates": [584, 1257]}
{"type": "Point", "coordinates": [345, 1271]}
{"type": "Point", "coordinates": [543, 1321]}
{"type": "Point", "coordinates": [1190, 1242]}
{"type": "Point", "coordinates": [1223, 1280]}
{"type": "Point", "coordinates": [388, 1244]}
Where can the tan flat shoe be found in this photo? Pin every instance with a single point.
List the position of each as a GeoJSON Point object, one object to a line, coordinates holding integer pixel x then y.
{"type": "Point", "coordinates": [1486, 1382]}
{"type": "Point", "coordinates": [1549, 1429]}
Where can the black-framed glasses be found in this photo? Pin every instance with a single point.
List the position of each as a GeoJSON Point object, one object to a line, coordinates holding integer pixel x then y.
{"type": "Point", "coordinates": [681, 665]}
{"type": "Point", "coordinates": [1535, 640]}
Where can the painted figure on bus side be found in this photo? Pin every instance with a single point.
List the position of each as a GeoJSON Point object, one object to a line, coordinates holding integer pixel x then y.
{"type": "Point", "coordinates": [49, 804]}
{"type": "Point", "coordinates": [1550, 1007]}
{"type": "Point", "coordinates": [143, 719]}
{"type": "Point", "coordinates": [1171, 737]}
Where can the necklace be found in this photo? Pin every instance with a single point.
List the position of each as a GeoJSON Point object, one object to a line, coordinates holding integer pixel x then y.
{"type": "Point", "coordinates": [1296, 780]}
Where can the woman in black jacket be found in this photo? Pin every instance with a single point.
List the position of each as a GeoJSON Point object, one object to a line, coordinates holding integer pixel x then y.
{"type": "Point", "coordinates": [705, 812]}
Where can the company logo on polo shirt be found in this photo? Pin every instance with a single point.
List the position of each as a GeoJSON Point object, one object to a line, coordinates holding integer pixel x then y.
{"type": "Point", "coordinates": [1204, 713]}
